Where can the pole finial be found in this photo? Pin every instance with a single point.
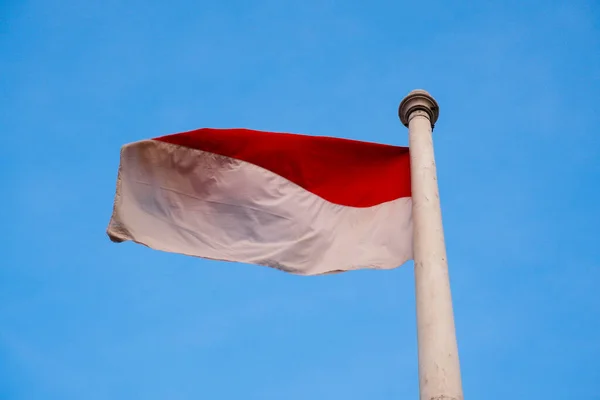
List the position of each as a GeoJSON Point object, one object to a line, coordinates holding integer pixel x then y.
{"type": "Point", "coordinates": [418, 100]}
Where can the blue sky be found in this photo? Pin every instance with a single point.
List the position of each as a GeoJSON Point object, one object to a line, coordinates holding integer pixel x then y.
{"type": "Point", "coordinates": [518, 154]}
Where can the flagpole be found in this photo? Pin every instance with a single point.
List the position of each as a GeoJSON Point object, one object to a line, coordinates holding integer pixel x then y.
{"type": "Point", "coordinates": [439, 369]}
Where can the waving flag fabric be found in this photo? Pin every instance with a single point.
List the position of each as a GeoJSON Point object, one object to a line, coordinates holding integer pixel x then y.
{"type": "Point", "coordinates": [307, 205]}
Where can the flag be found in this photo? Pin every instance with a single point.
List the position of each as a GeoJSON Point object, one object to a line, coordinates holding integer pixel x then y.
{"type": "Point", "coordinates": [307, 205]}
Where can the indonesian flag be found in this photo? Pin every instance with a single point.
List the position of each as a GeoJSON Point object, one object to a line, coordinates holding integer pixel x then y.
{"type": "Point", "coordinates": [306, 205]}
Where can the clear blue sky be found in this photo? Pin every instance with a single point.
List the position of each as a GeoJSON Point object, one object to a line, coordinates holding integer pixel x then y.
{"type": "Point", "coordinates": [518, 153]}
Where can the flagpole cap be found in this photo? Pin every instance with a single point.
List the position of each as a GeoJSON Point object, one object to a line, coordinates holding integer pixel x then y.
{"type": "Point", "coordinates": [418, 100]}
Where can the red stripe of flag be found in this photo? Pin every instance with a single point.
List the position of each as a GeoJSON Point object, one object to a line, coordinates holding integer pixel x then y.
{"type": "Point", "coordinates": [341, 171]}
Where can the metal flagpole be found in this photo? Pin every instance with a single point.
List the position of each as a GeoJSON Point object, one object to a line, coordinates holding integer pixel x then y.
{"type": "Point", "coordinates": [439, 369]}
